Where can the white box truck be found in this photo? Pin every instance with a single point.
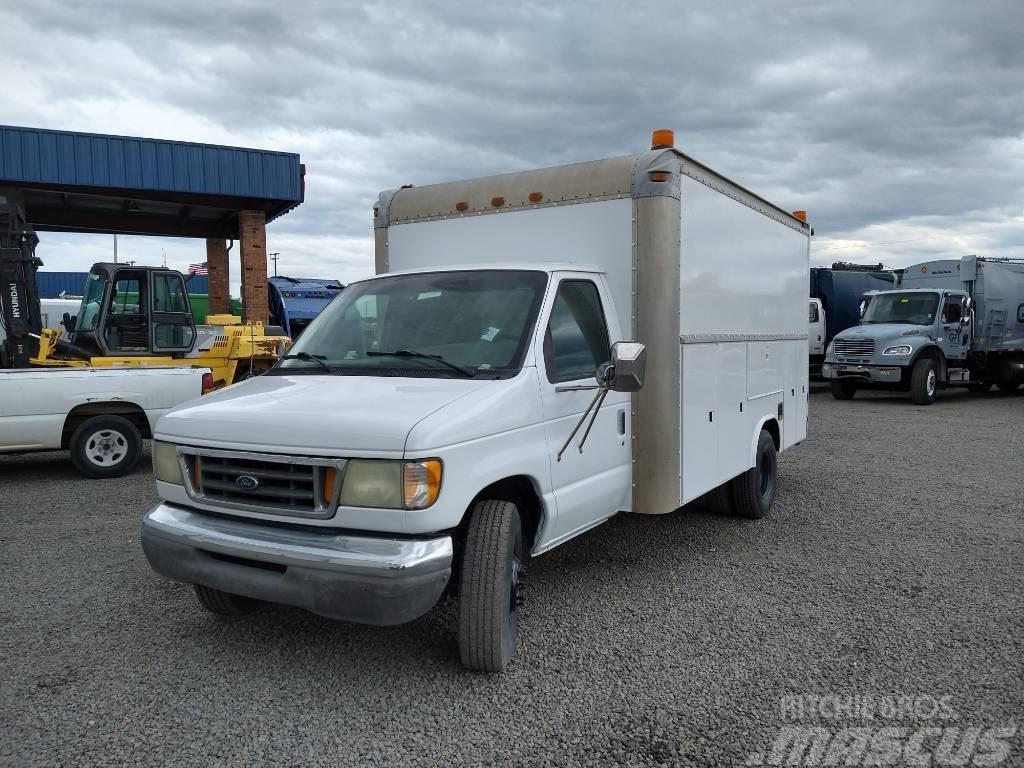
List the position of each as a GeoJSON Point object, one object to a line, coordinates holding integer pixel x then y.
{"type": "Point", "coordinates": [538, 352]}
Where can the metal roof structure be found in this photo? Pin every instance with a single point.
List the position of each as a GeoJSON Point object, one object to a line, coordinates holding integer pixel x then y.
{"type": "Point", "coordinates": [86, 182]}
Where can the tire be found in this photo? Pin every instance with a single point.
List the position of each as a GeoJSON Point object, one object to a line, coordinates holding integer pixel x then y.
{"type": "Point", "coordinates": [224, 603]}
{"type": "Point", "coordinates": [105, 446]}
{"type": "Point", "coordinates": [843, 389]}
{"type": "Point", "coordinates": [979, 387]}
{"type": "Point", "coordinates": [490, 586]}
{"type": "Point", "coordinates": [924, 381]}
{"type": "Point", "coordinates": [753, 492]}
{"type": "Point", "coordinates": [718, 500]}
{"type": "Point", "coordinates": [1008, 386]}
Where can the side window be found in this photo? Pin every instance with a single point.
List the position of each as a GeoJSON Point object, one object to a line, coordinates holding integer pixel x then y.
{"type": "Point", "coordinates": [169, 294]}
{"type": "Point", "coordinates": [952, 312]}
{"type": "Point", "coordinates": [576, 341]}
{"type": "Point", "coordinates": [813, 312]}
{"type": "Point", "coordinates": [125, 299]}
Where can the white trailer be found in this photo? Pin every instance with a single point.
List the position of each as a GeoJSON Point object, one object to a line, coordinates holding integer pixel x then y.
{"type": "Point", "coordinates": [484, 399]}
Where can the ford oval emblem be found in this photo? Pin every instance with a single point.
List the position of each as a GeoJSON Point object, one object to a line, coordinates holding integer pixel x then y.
{"type": "Point", "coordinates": [247, 482]}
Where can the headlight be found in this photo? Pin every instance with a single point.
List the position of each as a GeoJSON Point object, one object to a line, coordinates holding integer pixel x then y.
{"type": "Point", "coordinates": [391, 484]}
{"type": "Point", "coordinates": [165, 463]}
{"type": "Point", "coordinates": [902, 349]}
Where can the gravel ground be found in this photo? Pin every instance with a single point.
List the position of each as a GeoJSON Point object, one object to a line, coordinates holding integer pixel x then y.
{"type": "Point", "coordinates": [891, 566]}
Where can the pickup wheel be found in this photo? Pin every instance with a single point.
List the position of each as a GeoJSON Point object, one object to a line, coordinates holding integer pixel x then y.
{"type": "Point", "coordinates": [490, 586]}
{"type": "Point", "coordinates": [224, 603]}
{"type": "Point", "coordinates": [753, 492]}
{"type": "Point", "coordinates": [924, 381]}
{"type": "Point", "coordinates": [105, 446]}
{"type": "Point", "coordinates": [843, 389]}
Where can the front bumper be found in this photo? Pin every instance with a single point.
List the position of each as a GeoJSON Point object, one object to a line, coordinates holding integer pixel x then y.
{"type": "Point", "coordinates": [364, 579]}
{"type": "Point", "coordinates": [875, 374]}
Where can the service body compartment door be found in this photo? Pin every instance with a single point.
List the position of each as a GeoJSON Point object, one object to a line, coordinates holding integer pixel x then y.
{"type": "Point", "coordinates": [700, 432]}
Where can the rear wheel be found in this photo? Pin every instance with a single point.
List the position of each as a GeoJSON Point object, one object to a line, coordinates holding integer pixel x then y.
{"type": "Point", "coordinates": [753, 492]}
{"type": "Point", "coordinates": [924, 381]}
{"type": "Point", "coordinates": [491, 586]}
{"type": "Point", "coordinates": [105, 446]}
{"type": "Point", "coordinates": [224, 603]}
{"type": "Point", "coordinates": [843, 389]}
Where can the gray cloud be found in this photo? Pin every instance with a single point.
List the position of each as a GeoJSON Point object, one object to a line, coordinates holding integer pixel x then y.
{"type": "Point", "coordinates": [886, 121]}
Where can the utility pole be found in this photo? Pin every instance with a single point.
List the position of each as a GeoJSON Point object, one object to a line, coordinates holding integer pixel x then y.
{"type": "Point", "coordinates": [274, 256]}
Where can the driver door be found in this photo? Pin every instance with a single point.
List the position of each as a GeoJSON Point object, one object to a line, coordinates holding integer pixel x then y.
{"type": "Point", "coordinates": [591, 485]}
{"type": "Point", "coordinates": [956, 335]}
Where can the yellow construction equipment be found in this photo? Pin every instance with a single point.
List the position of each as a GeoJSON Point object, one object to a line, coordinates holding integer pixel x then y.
{"type": "Point", "coordinates": [141, 316]}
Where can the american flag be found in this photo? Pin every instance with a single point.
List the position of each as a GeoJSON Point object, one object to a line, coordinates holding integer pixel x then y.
{"type": "Point", "coordinates": [198, 269]}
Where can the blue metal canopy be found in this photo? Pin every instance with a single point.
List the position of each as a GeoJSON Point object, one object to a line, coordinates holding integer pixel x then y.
{"type": "Point", "coordinates": [92, 182]}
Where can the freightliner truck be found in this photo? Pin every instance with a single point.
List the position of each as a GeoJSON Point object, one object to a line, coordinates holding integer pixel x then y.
{"type": "Point", "coordinates": [953, 322]}
{"type": "Point", "coordinates": [538, 352]}
{"type": "Point", "coordinates": [838, 290]}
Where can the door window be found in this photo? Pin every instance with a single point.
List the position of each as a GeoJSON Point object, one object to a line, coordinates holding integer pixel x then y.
{"type": "Point", "coordinates": [169, 294]}
{"type": "Point", "coordinates": [126, 297]}
{"type": "Point", "coordinates": [952, 312]}
{"type": "Point", "coordinates": [813, 313]}
{"type": "Point", "coordinates": [576, 341]}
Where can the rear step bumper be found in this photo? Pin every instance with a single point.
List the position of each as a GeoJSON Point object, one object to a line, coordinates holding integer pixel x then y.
{"type": "Point", "coordinates": [364, 579]}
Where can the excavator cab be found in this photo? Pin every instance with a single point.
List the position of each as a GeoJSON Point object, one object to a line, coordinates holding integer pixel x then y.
{"type": "Point", "coordinates": [129, 311]}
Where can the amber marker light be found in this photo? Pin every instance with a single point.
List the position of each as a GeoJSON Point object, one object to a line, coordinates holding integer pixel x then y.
{"type": "Point", "coordinates": [421, 483]}
{"type": "Point", "coordinates": [663, 138]}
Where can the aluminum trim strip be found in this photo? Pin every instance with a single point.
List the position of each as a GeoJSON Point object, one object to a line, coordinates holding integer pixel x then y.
{"type": "Point", "coordinates": [720, 337]}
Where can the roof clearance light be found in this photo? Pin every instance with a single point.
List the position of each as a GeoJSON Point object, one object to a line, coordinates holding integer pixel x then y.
{"type": "Point", "coordinates": [659, 175]}
{"type": "Point", "coordinates": [802, 215]}
{"type": "Point", "coordinates": [536, 197]}
{"type": "Point", "coordinates": [663, 138]}
{"type": "Point", "coordinates": [497, 202]}
{"type": "Point", "coordinates": [924, 269]}
{"type": "Point", "coordinates": [463, 206]}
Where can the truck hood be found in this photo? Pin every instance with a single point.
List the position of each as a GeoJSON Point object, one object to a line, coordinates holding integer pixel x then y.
{"type": "Point", "coordinates": [885, 332]}
{"type": "Point", "coordinates": [313, 414]}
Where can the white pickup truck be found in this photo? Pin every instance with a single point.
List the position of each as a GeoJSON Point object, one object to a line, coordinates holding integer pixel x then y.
{"type": "Point", "coordinates": [100, 414]}
{"type": "Point", "coordinates": [539, 352]}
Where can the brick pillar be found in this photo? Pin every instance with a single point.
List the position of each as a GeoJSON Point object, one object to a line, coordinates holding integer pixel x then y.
{"type": "Point", "coordinates": [220, 289]}
{"type": "Point", "coordinates": [252, 228]}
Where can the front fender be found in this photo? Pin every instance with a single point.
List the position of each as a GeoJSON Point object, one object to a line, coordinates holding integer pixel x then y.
{"type": "Point", "coordinates": [930, 350]}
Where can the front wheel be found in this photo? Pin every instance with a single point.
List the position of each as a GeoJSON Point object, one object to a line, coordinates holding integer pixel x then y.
{"type": "Point", "coordinates": [924, 382]}
{"type": "Point", "coordinates": [843, 389]}
{"type": "Point", "coordinates": [753, 492]}
{"type": "Point", "coordinates": [490, 586]}
{"type": "Point", "coordinates": [105, 446]}
{"type": "Point", "coordinates": [224, 603]}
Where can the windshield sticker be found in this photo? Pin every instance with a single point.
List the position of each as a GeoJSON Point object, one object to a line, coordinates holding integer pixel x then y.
{"type": "Point", "coordinates": [490, 333]}
{"type": "Point", "coordinates": [428, 295]}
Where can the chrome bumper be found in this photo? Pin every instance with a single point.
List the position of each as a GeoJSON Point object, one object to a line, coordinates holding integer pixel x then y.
{"type": "Point", "coordinates": [364, 579]}
{"type": "Point", "coordinates": [873, 373]}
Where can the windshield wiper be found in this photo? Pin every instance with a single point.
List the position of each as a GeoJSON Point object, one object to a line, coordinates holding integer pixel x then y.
{"type": "Point", "coordinates": [318, 359]}
{"type": "Point", "coordinates": [411, 353]}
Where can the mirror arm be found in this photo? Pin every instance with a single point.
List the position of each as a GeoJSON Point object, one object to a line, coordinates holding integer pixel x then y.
{"type": "Point", "coordinates": [577, 387]}
{"type": "Point", "coordinates": [598, 398]}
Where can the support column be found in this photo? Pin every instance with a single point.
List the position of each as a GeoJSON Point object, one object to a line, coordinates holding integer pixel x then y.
{"type": "Point", "coordinates": [252, 227]}
{"type": "Point", "coordinates": [217, 263]}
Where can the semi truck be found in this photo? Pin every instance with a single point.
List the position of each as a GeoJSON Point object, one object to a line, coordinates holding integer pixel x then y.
{"type": "Point", "coordinates": [839, 289]}
{"type": "Point", "coordinates": [538, 352]}
{"type": "Point", "coordinates": [950, 322]}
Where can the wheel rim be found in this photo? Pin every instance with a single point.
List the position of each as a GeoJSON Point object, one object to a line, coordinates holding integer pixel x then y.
{"type": "Point", "coordinates": [106, 448]}
{"type": "Point", "coordinates": [931, 382]}
{"type": "Point", "coordinates": [516, 593]}
{"type": "Point", "coordinates": [766, 475]}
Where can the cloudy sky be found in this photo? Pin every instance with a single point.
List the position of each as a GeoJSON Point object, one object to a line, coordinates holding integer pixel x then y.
{"type": "Point", "coordinates": [899, 126]}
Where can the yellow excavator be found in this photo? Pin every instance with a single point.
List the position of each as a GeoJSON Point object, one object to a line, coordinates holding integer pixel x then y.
{"type": "Point", "coordinates": [141, 316]}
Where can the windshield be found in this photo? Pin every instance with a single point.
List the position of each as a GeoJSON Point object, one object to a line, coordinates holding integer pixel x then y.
{"type": "Point", "coordinates": [89, 311]}
{"type": "Point", "coordinates": [479, 321]}
{"type": "Point", "coordinates": [910, 308]}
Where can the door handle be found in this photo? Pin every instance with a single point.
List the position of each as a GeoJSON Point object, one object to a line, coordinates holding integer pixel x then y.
{"type": "Point", "coordinates": [622, 421]}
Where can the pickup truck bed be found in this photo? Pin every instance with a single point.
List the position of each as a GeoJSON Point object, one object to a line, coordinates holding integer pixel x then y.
{"type": "Point", "coordinates": [100, 414]}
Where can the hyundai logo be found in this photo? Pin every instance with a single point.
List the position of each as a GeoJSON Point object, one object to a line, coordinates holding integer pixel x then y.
{"type": "Point", "coordinates": [247, 482]}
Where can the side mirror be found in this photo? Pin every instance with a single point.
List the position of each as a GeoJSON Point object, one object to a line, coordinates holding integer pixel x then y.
{"type": "Point", "coordinates": [627, 368]}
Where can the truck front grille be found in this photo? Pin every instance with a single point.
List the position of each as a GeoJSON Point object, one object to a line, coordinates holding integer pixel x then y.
{"type": "Point", "coordinates": [854, 349]}
{"type": "Point", "coordinates": [303, 487]}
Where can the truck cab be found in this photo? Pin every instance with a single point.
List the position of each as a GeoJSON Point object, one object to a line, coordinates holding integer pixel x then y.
{"type": "Point", "coordinates": [912, 340]}
{"type": "Point", "coordinates": [816, 333]}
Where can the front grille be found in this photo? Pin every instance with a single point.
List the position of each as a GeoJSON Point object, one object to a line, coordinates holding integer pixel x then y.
{"type": "Point", "coordinates": [263, 483]}
{"type": "Point", "coordinates": [854, 348]}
